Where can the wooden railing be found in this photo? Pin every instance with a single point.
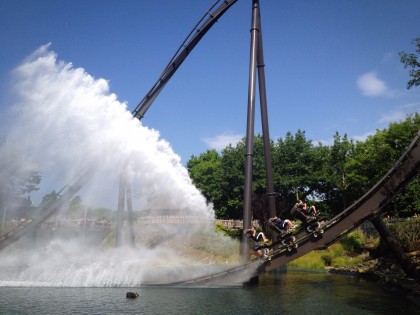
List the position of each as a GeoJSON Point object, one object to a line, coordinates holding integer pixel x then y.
{"type": "Point", "coordinates": [93, 224]}
{"type": "Point", "coordinates": [236, 224]}
{"type": "Point", "coordinates": [179, 219]}
{"type": "Point", "coordinates": [169, 219]}
{"type": "Point", "coordinates": [80, 224]}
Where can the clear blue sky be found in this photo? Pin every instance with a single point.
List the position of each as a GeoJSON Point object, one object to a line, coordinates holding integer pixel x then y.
{"type": "Point", "coordinates": [330, 65]}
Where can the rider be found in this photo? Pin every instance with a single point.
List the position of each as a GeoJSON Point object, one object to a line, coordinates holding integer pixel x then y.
{"type": "Point", "coordinates": [252, 233]}
{"type": "Point", "coordinates": [283, 225]}
{"type": "Point", "coordinates": [299, 211]}
{"type": "Point", "coordinates": [260, 250]}
{"type": "Point", "coordinates": [311, 211]}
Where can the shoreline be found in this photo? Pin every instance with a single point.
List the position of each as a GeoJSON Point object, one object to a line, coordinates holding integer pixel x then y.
{"type": "Point", "coordinates": [386, 273]}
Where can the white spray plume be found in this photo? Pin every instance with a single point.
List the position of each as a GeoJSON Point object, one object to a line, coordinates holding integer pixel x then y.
{"type": "Point", "coordinates": [66, 119]}
{"type": "Point", "coordinates": [63, 120]}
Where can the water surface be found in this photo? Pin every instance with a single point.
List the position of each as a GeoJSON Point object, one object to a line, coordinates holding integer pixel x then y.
{"type": "Point", "coordinates": [286, 293]}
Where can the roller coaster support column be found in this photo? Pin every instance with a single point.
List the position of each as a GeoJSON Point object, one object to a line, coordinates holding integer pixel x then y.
{"type": "Point", "coordinates": [249, 149]}
{"type": "Point", "coordinates": [256, 56]}
{"type": "Point", "coordinates": [124, 192]}
{"type": "Point", "coordinates": [264, 121]}
{"type": "Point", "coordinates": [408, 267]}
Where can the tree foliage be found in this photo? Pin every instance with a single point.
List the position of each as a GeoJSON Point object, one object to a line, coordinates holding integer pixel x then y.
{"type": "Point", "coordinates": [340, 175]}
{"type": "Point", "coordinates": [292, 159]}
{"type": "Point", "coordinates": [232, 184]}
{"type": "Point", "coordinates": [330, 177]}
{"type": "Point", "coordinates": [206, 172]}
{"type": "Point", "coordinates": [411, 60]}
{"type": "Point", "coordinates": [18, 180]}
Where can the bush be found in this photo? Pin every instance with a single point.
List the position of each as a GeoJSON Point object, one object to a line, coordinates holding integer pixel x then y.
{"type": "Point", "coordinates": [408, 234]}
{"type": "Point", "coordinates": [311, 260]}
{"type": "Point", "coordinates": [319, 259]}
{"type": "Point", "coordinates": [327, 259]}
{"type": "Point", "coordinates": [336, 250]}
{"type": "Point", "coordinates": [353, 241]}
{"type": "Point", "coordinates": [336, 256]}
{"type": "Point", "coordinates": [344, 261]}
{"type": "Point", "coordinates": [216, 244]}
{"type": "Point", "coordinates": [233, 233]}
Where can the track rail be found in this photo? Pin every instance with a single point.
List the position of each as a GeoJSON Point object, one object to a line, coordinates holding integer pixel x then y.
{"type": "Point", "coordinates": [45, 211]}
{"type": "Point", "coordinates": [199, 30]}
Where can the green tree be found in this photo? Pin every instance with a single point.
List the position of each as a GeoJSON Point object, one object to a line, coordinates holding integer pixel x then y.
{"type": "Point", "coordinates": [340, 175]}
{"type": "Point", "coordinates": [259, 199]}
{"type": "Point", "coordinates": [17, 180]}
{"type": "Point", "coordinates": [407, 203]}
{"type": "Point", "coordinates": [232, 185]}
{"type": "Point", "coordinates": [50, 197]}
{"type": "Point", "coordinates": [321, 186]}
{"type": "Point", "coordinates": [259, 177]}
{"type": "Point", "coordinates": [206, 173]}
{"type": "Point", "coordinates": [76, 208]}
{"type": "Point", "coordinates": [331, 177]}
{"type": "Point", "coordinates": [375, 156]}
{"type": "Point", "coordinates": [221, 179]}
{"type": "Point", "coordinates": [410, 61]}
{"type": "Point", "coordinates": [292, 165]}
{"type": "Point", "coordinates": [398, 136]}
{"type": "Point", "coordinates": [101, 213]}
{"type": "Point", "coordinates": [233, 168]}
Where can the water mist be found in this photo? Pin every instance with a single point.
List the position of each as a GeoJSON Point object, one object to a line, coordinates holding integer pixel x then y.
{"type": "Point", "coordinates": [64, 120]}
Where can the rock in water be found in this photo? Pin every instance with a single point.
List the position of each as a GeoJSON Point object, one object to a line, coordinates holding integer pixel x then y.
{"type": "Point", "coordinates": [132, 295]}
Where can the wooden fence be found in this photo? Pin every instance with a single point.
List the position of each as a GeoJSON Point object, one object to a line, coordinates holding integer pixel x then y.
{"type": "Point", "coordinates": [179, 219]}
{"type": "Point", "coordinates": [65, 223]}
{"type": "Point", "coordinates": [169, 219]}
{"type": "Point", "coordinates": [236, 224]}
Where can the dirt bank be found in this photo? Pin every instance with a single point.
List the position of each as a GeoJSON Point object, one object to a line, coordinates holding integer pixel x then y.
{"type": "Point", "coordinates": [388, 274]}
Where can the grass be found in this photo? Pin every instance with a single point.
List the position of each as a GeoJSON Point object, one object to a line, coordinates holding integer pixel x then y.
{"type": "Point", "coordinates": [343, 261]}
{"type": "Point", "coordinates": [334, 256]}
{"type": "Point", "coordinates": [311, 260]}
{"type": "Point", "coordinates": [346, 253]}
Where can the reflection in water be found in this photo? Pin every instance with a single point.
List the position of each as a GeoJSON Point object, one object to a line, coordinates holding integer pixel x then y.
{"type": "Point", "coordinates": [332, 294]}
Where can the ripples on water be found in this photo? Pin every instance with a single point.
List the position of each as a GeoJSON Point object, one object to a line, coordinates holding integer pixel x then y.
{"type": "Point", "coordinates": [286, 293]}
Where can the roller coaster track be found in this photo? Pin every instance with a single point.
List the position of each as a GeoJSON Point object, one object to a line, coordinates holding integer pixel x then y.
{"type": "Point", "coordinates": [199, 30]}
{"type": "Point", "coordinates": [367, 207]}
{"type": "Point", "coordinates": [45, 211]}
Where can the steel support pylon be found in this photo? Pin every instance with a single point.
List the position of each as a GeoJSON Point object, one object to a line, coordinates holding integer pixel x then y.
{"type": "Point", "coordinates": [256, 61]}
{"type": "Point", "coordinates": [394, 245]}
{"type": "Point", "coordinates": [124, 194]}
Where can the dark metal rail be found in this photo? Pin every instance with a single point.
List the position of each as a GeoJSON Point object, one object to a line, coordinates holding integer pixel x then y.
{"type": "Point", "coordinates": [45, 211]}
{"type": "Point", "coordinates": [199, 30]}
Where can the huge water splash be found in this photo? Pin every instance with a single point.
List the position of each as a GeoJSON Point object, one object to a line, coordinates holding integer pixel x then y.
{"type": "Point", "coordinates": [63, 120]}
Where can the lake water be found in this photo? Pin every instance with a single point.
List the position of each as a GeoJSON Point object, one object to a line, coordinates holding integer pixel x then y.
{"type": "Point", "coordinates": [292, 292]}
